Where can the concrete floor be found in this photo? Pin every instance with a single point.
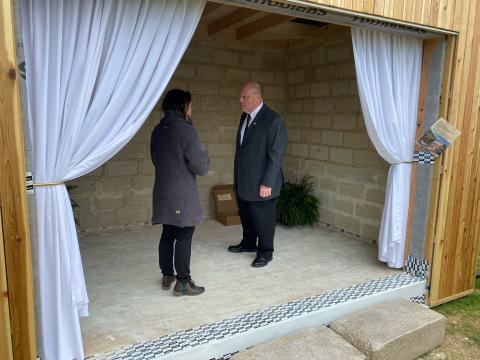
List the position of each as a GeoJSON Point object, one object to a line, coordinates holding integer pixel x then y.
{"type": "Point", "coordinates": [127, 304]}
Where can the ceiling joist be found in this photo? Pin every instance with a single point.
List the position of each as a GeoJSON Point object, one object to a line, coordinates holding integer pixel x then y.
{"type": "Point", "coordinates": [210, 7]}
{"type": "Point", "coordinates": [230, 19]}
{"type": "Point", "coordinates": [261, 24]}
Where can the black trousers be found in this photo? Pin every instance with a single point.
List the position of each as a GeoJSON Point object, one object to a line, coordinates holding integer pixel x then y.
{"type": "Point", "coordinates": [258, 223]}
{"type": "Point", "coordinates": [181, 239]}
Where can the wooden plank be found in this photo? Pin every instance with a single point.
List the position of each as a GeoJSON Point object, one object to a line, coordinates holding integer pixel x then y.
{"type": "Point", "coordinates": [428, 47]}
{"type": "Point", "coordinates": [379, 7]}
{"type": "Point", "coordinates": [299, 31]}
{"type": "Point", "coordinates": [261, 24]}
{"type": "Point", "coordinates": [440, 236]}
{"type": "Point", "coordinates": [447, 82]}
{"type": "Point", "coordinates": [464, 255]}
{"type": "Point", "coordinates": [451, 277]}
{"type": "Point", "coordinates": [459, 15]}
{"type": "Point", "coordinates": [358, 5]}
{"type": "Point", "coordinates": [408, 9]}
{"type": "Point", "coordinates": [398, 10]}
{"type": "Point", "coordinates": [5, 333]}
{"type": "Point", "coordinates": [426, 12]}
{"type": "Point", "coordinates": [473, 211]}
{"type": "Point", "coordinates": [442, 13]}
{"type": "Point", "coordinates": [388, 8]}
{"type": "Point", "coordinates": [336, 3]}
{"type": "Point", "coordinates": [434, 12]}
{"type": "Point", "coordinates": [229, 20]}
{"type": "Point", "coordinates": [449, 15]}
{"type": "Point", "coordinates": [368, 6]}
{"type": "Point", "coordinates": [347, 4]}
{"type": "Point", "coordinates": [13, 199]}
{"type": "Point", "coordinates": [210, 7]}
{"type": "Point", "coordinates": [417, 11]}
{"type": "Point", "coordinates": [450, 298]}
{"type": "Point", "coordinates": [474, 231]}
{"type": "Point", "coordinates": [443, 278]}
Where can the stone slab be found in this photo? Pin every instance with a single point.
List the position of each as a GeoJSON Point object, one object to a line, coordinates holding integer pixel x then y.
{"type": "Point", "coordinates": [396, 330]}
{"type": "Point", "coordinates": [318, 343]}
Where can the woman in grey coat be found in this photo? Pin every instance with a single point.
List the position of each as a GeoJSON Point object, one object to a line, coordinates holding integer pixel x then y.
{"type": "Point", "coordinates": [178, 157]}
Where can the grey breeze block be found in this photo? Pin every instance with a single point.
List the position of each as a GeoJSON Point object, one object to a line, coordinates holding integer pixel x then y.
{"type": "Point", "coordinates": [318, 343]}
{"type": "Point", "coordinates": [396, 330]}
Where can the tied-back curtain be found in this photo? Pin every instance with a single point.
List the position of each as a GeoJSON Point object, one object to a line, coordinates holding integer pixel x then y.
{"type": "Point", "coordinates": [388, 68]}
{"type": "Point", "coordinates": [95, 70]}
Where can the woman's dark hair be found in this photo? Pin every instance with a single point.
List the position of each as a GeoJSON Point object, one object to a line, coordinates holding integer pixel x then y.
{"type": "Point", "coordinates": [176, 99]}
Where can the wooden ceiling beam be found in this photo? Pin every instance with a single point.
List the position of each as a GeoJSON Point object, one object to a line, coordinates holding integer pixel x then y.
{"type": "Point", "coordinates": [230, 20]}
{"type": "Point", "coordinates": [333, 29]}
{"type": "Point", "coordinates": [261, 24]}
{"type": "Point", "coordinates": [298, 31]}
{"type": "Point", "coordinates": [210, 7]}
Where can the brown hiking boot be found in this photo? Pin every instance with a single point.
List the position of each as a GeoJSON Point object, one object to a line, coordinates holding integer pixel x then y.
{"type": "Point", "coordinates": [187, 288]}
{"type": "Point", "coordinates": [167, 281]}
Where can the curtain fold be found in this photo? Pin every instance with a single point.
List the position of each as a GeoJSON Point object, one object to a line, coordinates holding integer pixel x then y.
{"type": "Point", "coordinates": [95, 70]}
{"type": "Point", "coordinates": [388, 68]}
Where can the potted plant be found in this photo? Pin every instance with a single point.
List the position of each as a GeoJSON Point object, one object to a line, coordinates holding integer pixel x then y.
{"type": "Point", "coordinates": [298, 204]}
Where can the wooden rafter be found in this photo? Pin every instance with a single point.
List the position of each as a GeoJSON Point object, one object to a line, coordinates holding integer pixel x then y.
{"type": "Point", "coordinates": [210, 7]}
{"type": "Point", "coordinates": [230, 20]}
{"type": "Point", "coordinates": [261, 24]}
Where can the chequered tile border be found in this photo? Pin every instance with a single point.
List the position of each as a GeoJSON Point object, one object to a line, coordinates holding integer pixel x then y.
{"type": "Point", "coordinates": [418, 299]}
{"type": "Point", "coordinates": [416, 267]}
{"type": "Point", "coordinates": [226, 357]}
{"type": "Point", "coordinates": [423, 157]}
{"type": "Point", "coordinates": [242, 323]}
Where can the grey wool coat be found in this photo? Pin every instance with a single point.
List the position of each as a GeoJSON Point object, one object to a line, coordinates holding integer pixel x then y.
{"type": "Point", "coordinates": [259, 158]}
{"type": "Point", "coordinates": [178, 157]}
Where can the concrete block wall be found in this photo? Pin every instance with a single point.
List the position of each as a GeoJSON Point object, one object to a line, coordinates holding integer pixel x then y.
{"type": "Point", "coordinates": [328, 139]}
{"type": "Point", "coordinates": [118, 194]}
{"type": "Point", "coordinates": [313, 89]}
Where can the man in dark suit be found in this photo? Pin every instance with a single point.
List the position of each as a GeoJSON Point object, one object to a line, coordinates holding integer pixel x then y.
{"type": "Point", "coordinates": [261, 144]}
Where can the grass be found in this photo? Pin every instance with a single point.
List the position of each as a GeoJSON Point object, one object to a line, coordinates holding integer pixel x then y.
{"type": "Point", "coordinates": [462, 339]}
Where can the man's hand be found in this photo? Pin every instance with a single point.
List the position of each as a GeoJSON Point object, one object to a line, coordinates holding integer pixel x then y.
{"type": "Point", "coordinates": [265, 191]}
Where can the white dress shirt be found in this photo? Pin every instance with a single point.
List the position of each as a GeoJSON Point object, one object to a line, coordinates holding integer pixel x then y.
{"type": "Point", "coordinates": [252, 117]}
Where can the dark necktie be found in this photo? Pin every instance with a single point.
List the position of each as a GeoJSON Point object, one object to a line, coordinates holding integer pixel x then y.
{"type": "Point", "coordinates": [248, 120]}
{"type": "Point", "coordinates": [247, 125]}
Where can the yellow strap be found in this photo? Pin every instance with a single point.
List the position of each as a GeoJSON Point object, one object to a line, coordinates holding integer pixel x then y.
{"type": "Point", "coordinates": [53, 183]}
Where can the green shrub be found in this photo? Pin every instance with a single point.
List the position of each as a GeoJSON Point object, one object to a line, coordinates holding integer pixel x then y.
{"type": "Point", "coordinates": [297, 204]}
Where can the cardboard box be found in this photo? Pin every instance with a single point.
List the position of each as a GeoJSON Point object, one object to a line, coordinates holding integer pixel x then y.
{"type": "Point", "coordinates": [226, 205]}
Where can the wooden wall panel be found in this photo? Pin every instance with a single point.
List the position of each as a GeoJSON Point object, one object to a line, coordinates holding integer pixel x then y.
{"type": "Point", "coordinates": [437, 13]}
{"type": "Point", "coordinates": [454, 232]}
{"type": "Point", "coordinates": [455, 254]}
{"type": "Point", "coordinates": [417, 11]}
{"type": "Point", "coordinates": [13, 198]}
{"type": "Point", "coordinates": [5, 333]}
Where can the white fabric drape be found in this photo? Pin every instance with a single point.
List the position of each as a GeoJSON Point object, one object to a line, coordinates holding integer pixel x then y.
{"type": "Point", "coordinates": [388, 68]}
{"type": "Point", "coordinates": [95, 70]}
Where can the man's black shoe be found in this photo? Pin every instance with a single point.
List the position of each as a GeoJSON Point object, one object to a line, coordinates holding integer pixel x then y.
{"type": "Point", "coordinates": [261, 261]}
{"type": "Point", "coordinates": [240, 248]}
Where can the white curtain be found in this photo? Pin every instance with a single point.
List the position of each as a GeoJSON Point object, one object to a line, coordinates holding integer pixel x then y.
{"type": "Point", "coordinates": [388, 68]}
{"type": "Point", "coordinates": [95, 70]}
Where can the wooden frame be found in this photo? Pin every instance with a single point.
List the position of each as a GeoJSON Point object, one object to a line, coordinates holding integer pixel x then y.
{"type": "Point", "coordinates": [454, 224]}
{"type": "Point", "coordinates": [429, 47]}
{"type": "Point", "coordinates": [5, 332]}
{"type": "Point", "coordinates": [13, 197]}
{"type": "Point", "coordinates": [453, 231]}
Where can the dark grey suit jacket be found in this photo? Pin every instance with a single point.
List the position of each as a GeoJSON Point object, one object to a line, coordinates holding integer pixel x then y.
{"type": "Point", "coordinates": [259, 159]}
